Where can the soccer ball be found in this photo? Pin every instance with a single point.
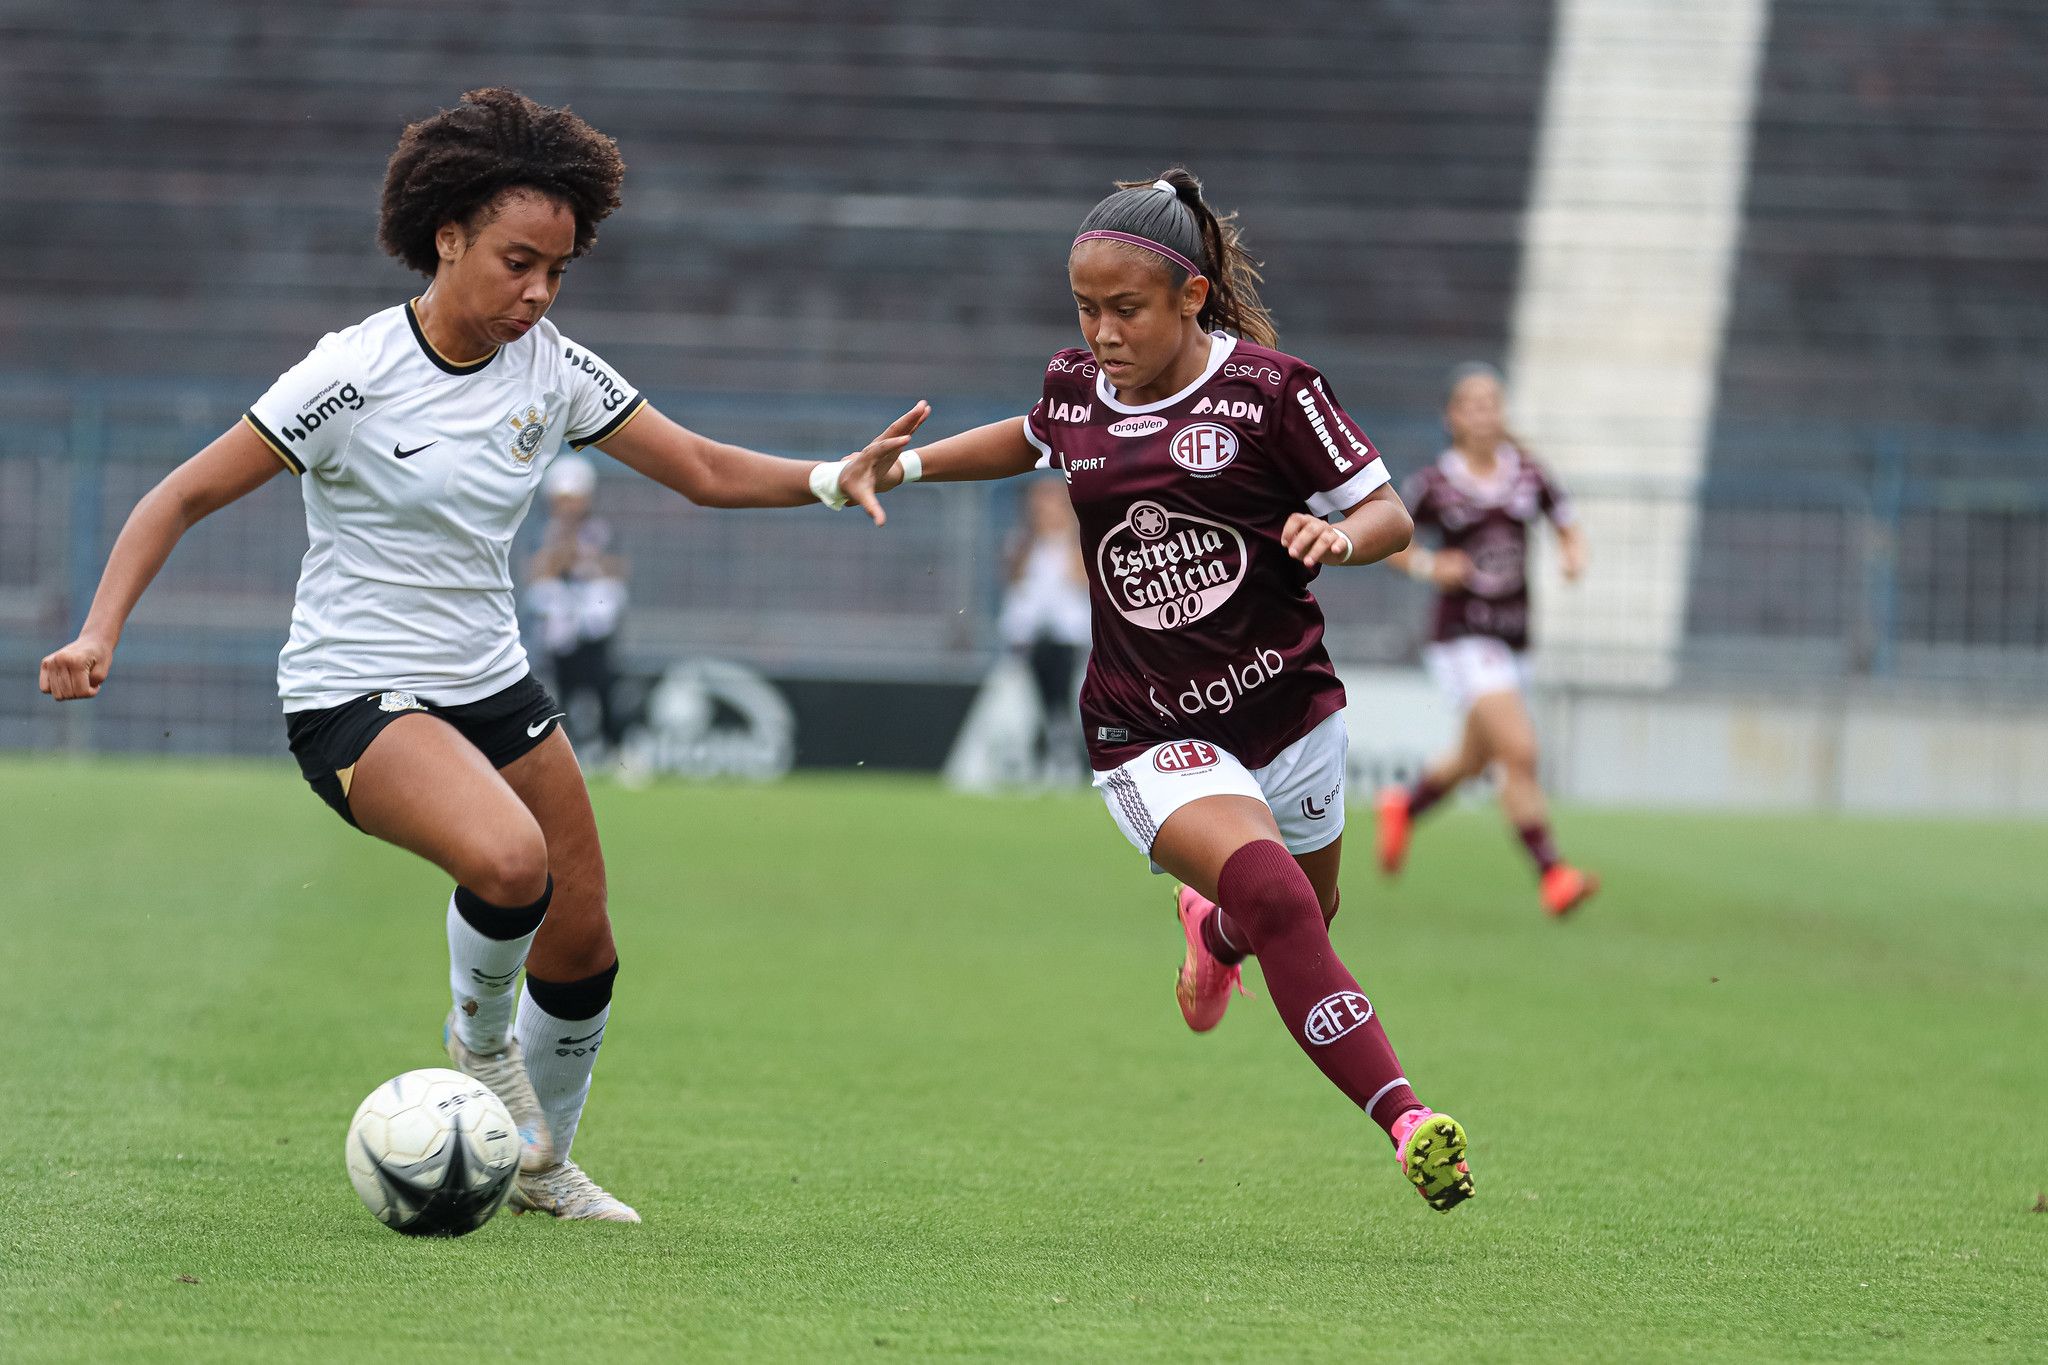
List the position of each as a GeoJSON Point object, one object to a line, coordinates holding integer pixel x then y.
{"type": "Point", "coordinates": [433, 1153]}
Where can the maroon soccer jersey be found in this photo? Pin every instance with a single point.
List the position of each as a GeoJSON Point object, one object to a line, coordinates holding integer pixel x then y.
{"type": "Point", "coordinates": [1203, 627]}
{"type": "Point", "coordinates": [1489, 520]}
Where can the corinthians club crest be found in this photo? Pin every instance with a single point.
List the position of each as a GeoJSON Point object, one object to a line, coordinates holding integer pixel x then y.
{"type": "Point", "coordinates": [529, 427]}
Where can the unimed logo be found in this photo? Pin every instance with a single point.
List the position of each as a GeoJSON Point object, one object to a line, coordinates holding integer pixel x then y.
{"type": "Point", "coordinates": [1185, 757]}
{"type": "Point", "coordinates": [1333, 1016]}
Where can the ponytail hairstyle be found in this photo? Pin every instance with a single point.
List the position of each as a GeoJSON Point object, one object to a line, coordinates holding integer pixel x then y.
{"type": "Point", "coordinates": [1169, 218]}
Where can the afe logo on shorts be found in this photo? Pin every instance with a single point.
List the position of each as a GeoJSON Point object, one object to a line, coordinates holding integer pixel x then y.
{"type": "Point", "coordinates": [1190, 755]}
{"type": "Point", "coordinates": [1203, 449]}
{"type": "Point", "coordinates": [399, 701]}
{"type": "Point", "coordinates": [1333, 1016]}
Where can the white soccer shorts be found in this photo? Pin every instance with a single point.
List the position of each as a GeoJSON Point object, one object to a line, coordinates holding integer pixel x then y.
{"type": "Point", "coordinates": [1303, 786]}
{"type": "Point", "coordinates": [1475, 666]}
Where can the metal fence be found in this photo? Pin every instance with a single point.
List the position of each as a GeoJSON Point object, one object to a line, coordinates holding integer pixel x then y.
{"type": "Point", "coordinates": [1834, 560]}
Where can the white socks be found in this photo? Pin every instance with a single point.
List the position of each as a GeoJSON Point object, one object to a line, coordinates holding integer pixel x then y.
{"type": "Point", "coordinates": [483, 971]}
{"type": "Point", "coordinates": [559, 1056]}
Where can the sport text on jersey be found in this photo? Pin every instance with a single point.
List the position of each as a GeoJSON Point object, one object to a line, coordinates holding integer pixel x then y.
{"type": "Point", "coordinates": [321, 408]}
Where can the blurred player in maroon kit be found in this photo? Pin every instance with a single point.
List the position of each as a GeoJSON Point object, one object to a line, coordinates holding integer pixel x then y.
{"type": "Point", "coordinates": [1482, 497]}
{"type": "Point", "coordinates": [1204, 466]}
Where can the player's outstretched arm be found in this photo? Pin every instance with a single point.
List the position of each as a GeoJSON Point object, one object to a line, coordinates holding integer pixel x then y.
{"type": "Point", "coordinates": [713, 474]}
{"type": "Point", "coordinates": [1373, 529]}
{"type": "Point", "coordinates": [999, 450]}
{"type": "Point", "coordinates": [232, 466]}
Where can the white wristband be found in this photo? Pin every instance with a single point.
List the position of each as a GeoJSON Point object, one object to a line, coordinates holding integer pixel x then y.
{"type": "Point", "coordinates": [1349, 548]}
{"type": "Point", "coordinates": [825, 482]}
{"type": "Point", "coordinates": [912, 465]}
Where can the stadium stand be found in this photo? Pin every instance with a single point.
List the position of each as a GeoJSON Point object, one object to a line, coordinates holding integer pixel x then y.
{"type": "Point", "coordinates": [831, 212]}
{"type": "Point", "coordinates": [1881, 423]}
{"type": "Point", "coordinates": [827, 215]}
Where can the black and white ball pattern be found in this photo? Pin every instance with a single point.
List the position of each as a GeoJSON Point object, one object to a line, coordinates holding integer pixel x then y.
{"type": "Point", "coordinates": [433, 1153]}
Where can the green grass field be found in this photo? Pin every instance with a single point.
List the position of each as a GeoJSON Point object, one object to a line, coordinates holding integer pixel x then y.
{"type": "Point", "coordinates": [916, 1086]}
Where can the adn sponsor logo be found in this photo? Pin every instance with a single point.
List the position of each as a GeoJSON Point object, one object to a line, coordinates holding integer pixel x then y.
{"type": "Point", "coordinates": [1164, 569]}
{"type": "Point", "coordinates": [1333, 1016]}
{"type": "Point", "coordinates": [1241, 369]}
{"type": "Point", "coordinates": [1137, 426]}
{"type": "Point", "coordinates": [1233, 407]}
{"type": "Point", "coordinates": [1189, 755]}
{"type": "Point", "coordinates": [1071, 412]}
{"type": "Point", "coordinates": [1204, 449]}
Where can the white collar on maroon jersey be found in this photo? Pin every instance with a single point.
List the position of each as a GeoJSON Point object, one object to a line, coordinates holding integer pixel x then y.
{"type": "Point", "coordinates": [1488, 492]}
{"type": "Point", "coordinates": [1221, 344]}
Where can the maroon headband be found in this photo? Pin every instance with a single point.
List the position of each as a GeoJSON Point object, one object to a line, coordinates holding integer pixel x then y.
{"type": "Point", "coordinates": [1132, 239]}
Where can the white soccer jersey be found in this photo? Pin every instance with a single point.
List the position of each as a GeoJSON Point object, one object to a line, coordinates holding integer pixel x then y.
{"type": "Point", "coordinates": [416, 473]}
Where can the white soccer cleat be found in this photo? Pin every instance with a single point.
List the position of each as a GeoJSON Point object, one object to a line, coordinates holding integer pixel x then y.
{"type": "Point", "coordinates": [505, 1073]}
{"type": "Point", "coordinates": [564, 1191]}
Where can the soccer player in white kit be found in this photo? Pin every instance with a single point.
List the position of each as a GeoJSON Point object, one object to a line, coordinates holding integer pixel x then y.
{"type": "Point", "coordinates": [420, 437]}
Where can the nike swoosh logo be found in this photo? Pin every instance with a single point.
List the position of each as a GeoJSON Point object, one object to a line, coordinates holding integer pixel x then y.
{"type": "Point", "coordinates": [402, 453]}
{"type": "Point", "coordinates": [540, 725]}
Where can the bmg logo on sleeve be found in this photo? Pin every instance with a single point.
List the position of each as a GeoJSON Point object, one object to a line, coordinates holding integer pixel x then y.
{"type": "Point", "coordinates": [1333, 1016]}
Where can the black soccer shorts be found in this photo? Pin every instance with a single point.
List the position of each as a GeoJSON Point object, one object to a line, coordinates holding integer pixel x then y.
{"type": "Point", "coordinates": [328, 742]}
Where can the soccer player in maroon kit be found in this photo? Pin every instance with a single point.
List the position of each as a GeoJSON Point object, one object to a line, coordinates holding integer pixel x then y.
{"type": "Point", "coordinates": [1482, 496]}
{"type": "Point", "coordinates": [1204, 467]}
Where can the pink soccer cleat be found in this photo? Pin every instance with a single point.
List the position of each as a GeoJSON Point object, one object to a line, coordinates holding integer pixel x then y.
{"type": "Point", "coordinates": [1565, 889]}
{"type": "Point", "coordinates": [1430, 1149]}
{"type": "Point", "coordinates": [1204, 983]}
{"type": "Point", "coordinates": [1394, 826]}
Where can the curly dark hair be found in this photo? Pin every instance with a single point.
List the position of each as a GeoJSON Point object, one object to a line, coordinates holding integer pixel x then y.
{"type": "Point", "coordinates": [453, 165]}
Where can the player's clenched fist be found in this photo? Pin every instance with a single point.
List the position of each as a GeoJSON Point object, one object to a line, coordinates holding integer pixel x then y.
{"type": "Point", "coordinates": [75, 671]}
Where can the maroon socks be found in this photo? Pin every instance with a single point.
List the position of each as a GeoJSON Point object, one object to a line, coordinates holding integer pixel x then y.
{"type": "Point", "coordinates": [1229, 944]}
{"type": "Point", "coordinates": [1542, 849]}
{"type": "Point", "coordinates": [1425, 793]}
{"type": "Point", "coordinates": [1273, 904]}
{"type": "Point", "coordinates": [1225, 940]}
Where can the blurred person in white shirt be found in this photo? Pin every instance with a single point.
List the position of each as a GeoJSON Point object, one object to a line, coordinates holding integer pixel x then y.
{"type": "Point", "coordinates": [1045, 618]}
{"type": "Point", "coordinates": [578, 594]}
